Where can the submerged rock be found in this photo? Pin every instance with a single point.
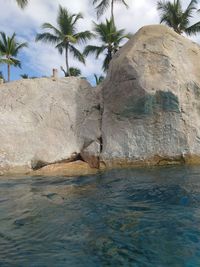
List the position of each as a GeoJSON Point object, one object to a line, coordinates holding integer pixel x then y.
{"type": "Point", "coordinates": [151, 101]}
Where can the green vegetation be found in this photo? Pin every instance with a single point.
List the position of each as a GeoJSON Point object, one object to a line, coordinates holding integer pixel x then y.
{"type": "Point", "coordinates": [24, 76]}
{"type": "Point", "coordinates": [110, 39]}
{"type": "Point", "coordinates": [102, 5]}
{"type": "Point", "coordinates": [98, 79]}
{"type": "Point", "coordinates": [65, 36]}
{"type": "Point", "coordinates": [75, 72]}
{"type": "Point", "coordinates": [67, 39]}
{"type": "Point", "coordinates": [10, 48]}
{"type": "Point", "coordinates": [22, 3]}
{"type": "Point", "coordinates": [1, 75]}
{"type": "Point", "coordinates": [173, 15]}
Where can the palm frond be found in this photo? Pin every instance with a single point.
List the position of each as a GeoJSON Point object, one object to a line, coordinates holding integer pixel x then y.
{"type": "Point", "coordinates": [74, 71]}
{"type": "Point", "coordinates": [106, 63]}
{"type": "Point", "coordinates": [15, 62]}
{"type": "Point", "coordinates": [9, 46]}
{"type": "Point", "coordinates": [64, 35]}
{"type": "Point", "coordinates": [19, 47]}
{"type": "Point", "coordinates": [47, 38]}
{"type": "Point", "coordinates": [65, 21]}
{"type": "Point", "coordinates": [193, 29]}
{"type": "Point", "coordinates": [76, 18]}
{"type": "Point", "coordinates": [77, 54]}
{"type": "Point", "coordinates": [173, 15]}
{"type": "Point", "coordinates": [22, 3]}
{"type": "Point", "coordinates": [101, 7]}
{"type": "Point", "coordinates": [92, 49]}
{"type": "Point", "coordinates": [82, 37]}
{"type": "Point", "coordinates": [49, 26]}
{"type": "Point", "coordinates": [60, 47]}
{"type": "Point", "coordinates": [123, 2]}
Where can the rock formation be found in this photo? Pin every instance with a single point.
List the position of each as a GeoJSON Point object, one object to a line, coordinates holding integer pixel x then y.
{"type": "Point", "coordinates": [151, 100]}
{"type": "Point", "coordinates": [45, 121]}
{"type": "Point", "coordinates": [146, 112]}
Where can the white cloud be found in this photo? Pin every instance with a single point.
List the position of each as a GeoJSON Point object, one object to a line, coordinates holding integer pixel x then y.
{"type": "Point", "coordinates": [42, 58]}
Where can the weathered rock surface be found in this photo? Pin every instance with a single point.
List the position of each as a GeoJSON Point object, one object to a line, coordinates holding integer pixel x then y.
{"type": "Point", "coordinates": [76, 168]}
{"type": "Point", "coordinates": [91, 154]}
{"type": "Point", "coordinates": [151, 101]}
{"type": "Point", "coordinates": [150, 113]}
{"type": "Point", "coordinates": [45, 121]}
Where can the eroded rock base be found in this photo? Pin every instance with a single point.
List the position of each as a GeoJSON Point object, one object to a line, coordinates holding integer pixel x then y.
{"type": "Point", "coordinates": [150, 162]}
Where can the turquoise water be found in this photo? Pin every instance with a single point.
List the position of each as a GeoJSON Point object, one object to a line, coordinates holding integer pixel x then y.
{"type": "Point", "coordinates": [141, 218]}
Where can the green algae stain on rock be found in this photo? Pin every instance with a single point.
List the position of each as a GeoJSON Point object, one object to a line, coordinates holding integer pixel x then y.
{"type": "Point", "coordinates": [168, 102]}
{"type": "Point", "coordinates": [150, 104]}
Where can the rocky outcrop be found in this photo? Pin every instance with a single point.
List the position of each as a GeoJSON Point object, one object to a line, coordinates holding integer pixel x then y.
{"type": "Point", "coordinates": [46, 121]}
{"type": "Point", "coordinates": [146, 112]}
{"type": "Point", "coordinates": [151, 101]}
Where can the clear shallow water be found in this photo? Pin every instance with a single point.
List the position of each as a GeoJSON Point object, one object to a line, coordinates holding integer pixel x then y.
{"type": "Point", "coordinates": [141, 218]}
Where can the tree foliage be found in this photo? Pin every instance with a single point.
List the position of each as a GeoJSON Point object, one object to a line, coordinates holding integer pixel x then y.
{"type": "Point", "coordinates": [110, 39]}
{"type": "Point", "coordinates": [173, 15]}
{"type": "Point", "coordinates": [9, 49]}
{"type": "Point", "coordinates": [22, 3]}
{"type": "Point", "coordinates": [65, 36]}
{"type": "Point", "coordinates": [102, 5]}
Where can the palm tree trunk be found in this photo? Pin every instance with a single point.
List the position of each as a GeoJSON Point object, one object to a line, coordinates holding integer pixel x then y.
{"type": "Point", "coordinates": [67, 58]}
{"type": "Point", "coordinates": [112, 11]}
{"type": "Point", "coordinates": [109, 54]}
{"type": "Point", "coordinates": [8, 72]}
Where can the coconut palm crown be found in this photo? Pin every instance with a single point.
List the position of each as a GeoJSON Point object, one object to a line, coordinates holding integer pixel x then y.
{"type": "Point", "coordinates": [9, 49]}
{"type": "Point", "coordinates": [65, 36]}
{"type": "Point", "coordinates": [173, 15]}
{"type": "Point", "coordinates": [110, 39]}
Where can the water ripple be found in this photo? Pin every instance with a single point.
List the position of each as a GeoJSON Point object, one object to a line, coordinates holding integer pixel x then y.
{"type": "Point", "coordinates": [139, 218]}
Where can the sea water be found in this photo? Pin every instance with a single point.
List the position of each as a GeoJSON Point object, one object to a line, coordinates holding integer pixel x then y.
{"type": "Point", "coordinates": [142, 218]}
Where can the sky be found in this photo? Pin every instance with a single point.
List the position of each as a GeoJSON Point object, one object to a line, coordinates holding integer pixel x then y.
{"type": "Point", "coordinates": [39, 59]}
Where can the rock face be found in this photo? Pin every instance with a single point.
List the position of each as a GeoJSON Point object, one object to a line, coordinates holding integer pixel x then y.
{"type": "Point", "coordinates": [151, 101]}
{"type": "Point", "coordinates": [150, 112]}
{"type": "Point", "coordinates": [44, 121]}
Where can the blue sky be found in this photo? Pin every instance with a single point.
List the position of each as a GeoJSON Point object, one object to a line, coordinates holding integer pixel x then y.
{"type": "Point", "coordinates": [39, 59]}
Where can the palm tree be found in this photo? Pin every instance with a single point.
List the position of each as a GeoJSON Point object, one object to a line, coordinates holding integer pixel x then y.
{"type": "Point", "coordinates": [173, 15]}
{"type": "Point", "coordinates": [22, 3]}
{"type": "Point", "coordinates": [3, 60]}
{"type": "Point", "coordinates": [24, 76]}
{"type": "Point", "coordinates": [1, 75]}
{"type": "Point", "coordinates": [98, 79]}
{"type": "Point", "coordinates": [75, 72]}
{"type": "Point", "coordinates": [65, 36]}
{"type": "Point", "coordinates": [110, 38]}
{"type": "Point", "coordinates": [9, 48]}
{"type": "Point", "coordinates": [102, 5]}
